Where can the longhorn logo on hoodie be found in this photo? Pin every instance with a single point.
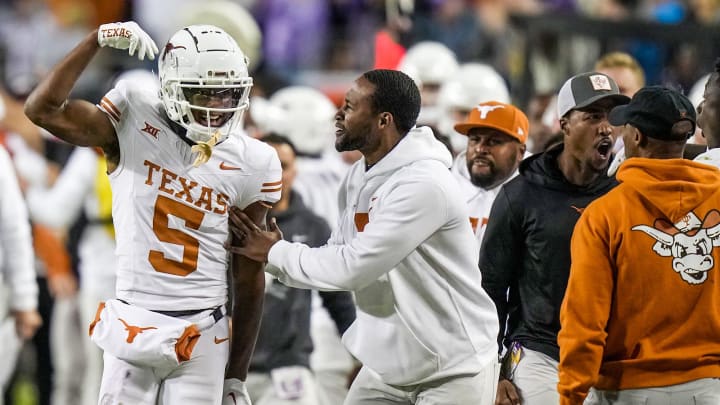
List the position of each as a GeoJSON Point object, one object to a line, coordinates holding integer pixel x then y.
{"type": "Point", "coordinates": [689, 242]}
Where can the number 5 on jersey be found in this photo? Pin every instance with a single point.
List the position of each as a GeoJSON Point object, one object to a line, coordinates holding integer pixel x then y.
{"type": "Point", "coordinates": [164, 207]}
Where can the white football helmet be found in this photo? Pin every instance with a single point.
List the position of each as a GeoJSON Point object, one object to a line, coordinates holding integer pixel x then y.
{"type": "Point", "coordinates": [204, 81]}
{"type": "Point", "coordinates": [430, 62]}
{"type": "Point", "coordinates": [233, 18]}
{"type": "Point", "coordinates": [697, 92]}
{"type": "Point", "coordinates": [472, 84]}
{"type": "Point", "coordinates": [305, 115]}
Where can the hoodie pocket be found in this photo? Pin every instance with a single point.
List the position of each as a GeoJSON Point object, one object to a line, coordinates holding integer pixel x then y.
{"type": "Point", "coordinates": [388, 347]}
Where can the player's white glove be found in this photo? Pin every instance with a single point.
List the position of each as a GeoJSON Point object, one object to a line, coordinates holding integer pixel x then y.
{"type": "Point", "coordinates": [235, 393]}
{"type": "Point", "coordinates": [127, 35]}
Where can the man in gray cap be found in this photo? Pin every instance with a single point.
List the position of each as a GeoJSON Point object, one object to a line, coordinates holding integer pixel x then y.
{"type": "Point", "coordinates": [650, 241]}
{"type": "Point", "coordinates": [525, 253]}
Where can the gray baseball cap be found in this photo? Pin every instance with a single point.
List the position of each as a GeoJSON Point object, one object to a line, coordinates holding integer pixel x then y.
{"type": "Point", "coordinates": [584, 89]}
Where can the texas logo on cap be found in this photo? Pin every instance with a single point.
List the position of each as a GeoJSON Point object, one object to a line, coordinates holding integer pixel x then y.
{"type": "Point", "coordinates": [494, 114]}
{"type": "Point", "coordinates": [485, 109]}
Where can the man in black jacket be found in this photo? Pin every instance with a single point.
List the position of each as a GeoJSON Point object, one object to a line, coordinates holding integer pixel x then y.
{"type": "Point", "coordinates": [525, 254]}
{"type": "Point", "coordinates": [280, 366]}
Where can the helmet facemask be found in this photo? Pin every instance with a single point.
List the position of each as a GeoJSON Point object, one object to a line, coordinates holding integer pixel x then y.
{"type": "Point", "coordinates": [210, 108]}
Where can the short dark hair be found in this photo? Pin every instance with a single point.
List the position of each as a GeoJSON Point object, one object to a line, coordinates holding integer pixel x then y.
{"type": "Point", "coordinates": [396, 93]}
{"type": "Point", "coordinates": [277, 139]}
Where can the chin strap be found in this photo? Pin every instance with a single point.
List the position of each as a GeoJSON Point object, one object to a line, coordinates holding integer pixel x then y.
{"type": "Point", "coordinates": [204, 149]}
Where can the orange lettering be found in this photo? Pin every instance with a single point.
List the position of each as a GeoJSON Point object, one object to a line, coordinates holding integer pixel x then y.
{"type": "Point", "coordinates": [474, 223]}
{"type": "Point", "coordinates": [361, 219]}
{"type": "Point", "coordinates": [151, 168]}
{"type": "Point", "coordinates": [221, 200]}
{"type": "Point", "coordinates": [164, 207]}
{"type": "Point", "coordinates": [186, 189]}
{"type": "Point", "coordinates": [205, 198]}
{"type": "Point", "coordinates": [167, 176]}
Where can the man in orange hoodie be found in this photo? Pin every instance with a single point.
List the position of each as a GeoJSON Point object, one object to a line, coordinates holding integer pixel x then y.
{"type": "Point", "coordinates": [640, 319]}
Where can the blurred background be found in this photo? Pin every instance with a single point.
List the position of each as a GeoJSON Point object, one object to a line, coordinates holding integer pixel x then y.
{"type": "Point", "coordinates": [534, 44]}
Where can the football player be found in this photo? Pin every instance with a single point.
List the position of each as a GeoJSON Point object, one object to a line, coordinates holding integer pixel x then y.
{"type": "Point", "coordinates": [177, 161]}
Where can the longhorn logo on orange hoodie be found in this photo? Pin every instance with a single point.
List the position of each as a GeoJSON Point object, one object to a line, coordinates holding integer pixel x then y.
{"type": "Point", "coordinates": [689, 242]}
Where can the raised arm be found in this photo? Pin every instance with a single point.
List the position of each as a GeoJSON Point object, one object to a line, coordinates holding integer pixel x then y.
{"type": "Point", "coordinates": [78, 121]}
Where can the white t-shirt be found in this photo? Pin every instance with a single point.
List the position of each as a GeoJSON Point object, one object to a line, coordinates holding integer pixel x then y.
{"type": "Point", "coordinates": [478, 199]}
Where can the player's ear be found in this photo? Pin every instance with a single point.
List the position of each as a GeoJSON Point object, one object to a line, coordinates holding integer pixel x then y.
{"type": "Point", "coordinates": [385, 119]}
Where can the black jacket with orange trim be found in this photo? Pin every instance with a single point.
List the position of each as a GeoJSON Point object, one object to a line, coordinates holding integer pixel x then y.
{"type": "Point", "coordinates": [525, 253]}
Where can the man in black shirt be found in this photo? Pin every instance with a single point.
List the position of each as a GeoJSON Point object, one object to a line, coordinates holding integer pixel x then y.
{"type": "Point", "coordinates": [525, 253]}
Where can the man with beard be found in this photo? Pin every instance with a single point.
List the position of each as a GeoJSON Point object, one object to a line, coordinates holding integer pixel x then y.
{"type": "Point", "coordinates": [496, 135]}
{"type": "Point", "coordinates": [525, 253]}
{"type": "Point", "coordinates": [425, 330]}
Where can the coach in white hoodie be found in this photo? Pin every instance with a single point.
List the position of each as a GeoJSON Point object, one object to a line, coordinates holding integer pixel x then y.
{"type": "Point", "coordinates": [425, 329]}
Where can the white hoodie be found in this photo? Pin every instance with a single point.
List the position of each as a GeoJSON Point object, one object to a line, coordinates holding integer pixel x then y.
{"type": "Point", "coordinates": [422, 313]}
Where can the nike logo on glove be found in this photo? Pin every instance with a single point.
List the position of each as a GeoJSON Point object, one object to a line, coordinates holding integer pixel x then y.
{"type": "Point", "coordinates": [218, 341]}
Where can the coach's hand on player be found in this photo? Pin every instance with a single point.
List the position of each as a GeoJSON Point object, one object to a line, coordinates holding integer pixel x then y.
{"type": "Point", "coordinates": [127, 35]}
{"type": "Point", "coordinates": [235, 393]}
{"type": "Point", "coordinates": [249, 239]}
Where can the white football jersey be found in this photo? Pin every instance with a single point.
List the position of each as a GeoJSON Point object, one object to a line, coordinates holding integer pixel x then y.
{"type": "Point", "coordinates": [171, 219]}
{"type": "Point", "coordinates": [479, 201]}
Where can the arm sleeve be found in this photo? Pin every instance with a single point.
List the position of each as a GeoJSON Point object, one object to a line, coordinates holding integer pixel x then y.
{"type": "Point", "coordinates": [335, 236]}
{"type": "Point", "coordinates": [339, 304]}
{"type": "Point", "coordinates": [60, 205]}
{"type": "Point", "coordinates": [411, 213]}
{"type": "Point", "coordinates": [269, 183]}
{"type": "Point", "coordinates": [114, 103]}
{"type": "Point", "coordinates": [500, 256]}
{"type": "Point", "coordinates": [585, 309]}
{"type": "Point", "coordinates": [15, 236]}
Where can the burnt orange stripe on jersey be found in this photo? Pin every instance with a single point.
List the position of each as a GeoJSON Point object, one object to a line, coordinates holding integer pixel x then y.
{"type": "Point", "coordinates": [112, 106]}
{"type": "Point", "coordinates": [270, 190]}
{"type": "Point", "coordinates": [109, 110]}
{"type": "Point", "coordinates": [275, 183]}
